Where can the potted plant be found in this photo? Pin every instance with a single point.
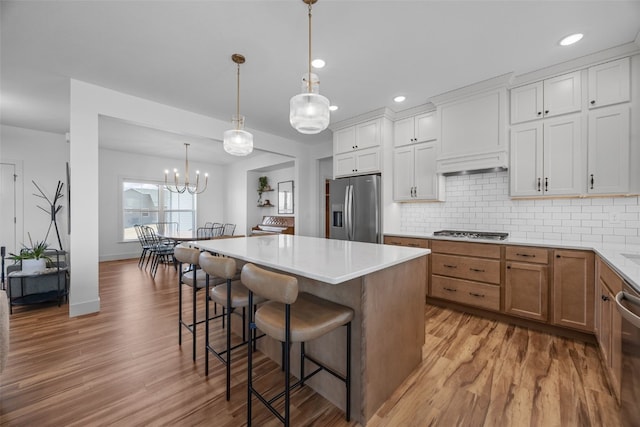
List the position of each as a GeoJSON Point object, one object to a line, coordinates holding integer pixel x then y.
{"type": "Point", "coordinates": [32, 258]}
{"type": "Point", "coordinates": [263, 184]}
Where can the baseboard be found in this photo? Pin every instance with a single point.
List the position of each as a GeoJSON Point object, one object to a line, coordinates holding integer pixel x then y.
{"type": "Point", "coordinates": [83, 308]}
{"type": "Point", "coordinates": [117, 257]}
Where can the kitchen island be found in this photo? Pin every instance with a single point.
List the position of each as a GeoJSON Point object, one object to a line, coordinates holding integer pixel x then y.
{"type": "Point", "coordinates": [384, 285]}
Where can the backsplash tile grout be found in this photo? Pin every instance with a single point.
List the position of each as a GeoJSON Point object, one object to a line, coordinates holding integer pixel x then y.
{"type": "Point", "coordinates": [481, 202]}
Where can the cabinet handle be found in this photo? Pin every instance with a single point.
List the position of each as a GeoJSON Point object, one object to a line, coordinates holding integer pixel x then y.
{"type": "Point", "coordinates": [476, 295]}
{"type": "Point", "coordinates": [450, 266]}
{"type": "Point", "coordinates": [546, 184]}
{"type": "Point", "coordinates": [413, 245]}
{"type": "Point", "coordinates": [526, 255]}
{"type": "Point", "coordinates": [546, 111]}
{"type": "Point", "coordinates": [592, 181]}
{"type": "Point", "coordinates": [477, 270]}
{"type": "Point", "coordinates": [604, 298]}
{"type": "Point", "coordinates": [450, 290]}
{"type": "Point", "coordinates": [539, 113]}
{"type": "Point", "coordinates": [593, 102]}
{"type": "Point", "coordinates": [539, 184]}
{"type": "Point", "coordinates": [509, 267]}
{"type": "Point", "coordinates": [415, 191]}
{"type": "Point", "coordinates": [558, 256]}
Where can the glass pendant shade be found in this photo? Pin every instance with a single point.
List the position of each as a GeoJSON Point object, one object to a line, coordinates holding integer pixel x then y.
{"type": "Point", "coordinates": [309, 111]}
{"type": "Point", "coordinates": [238, 142]}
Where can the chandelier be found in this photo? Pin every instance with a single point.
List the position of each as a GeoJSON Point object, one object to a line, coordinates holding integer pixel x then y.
{"type": "Point", "coordinates": [237, 141]}
{"type": "Point", "coordinates": [309, 111]}
{"type": "Point", "coordinates": [187, 186]}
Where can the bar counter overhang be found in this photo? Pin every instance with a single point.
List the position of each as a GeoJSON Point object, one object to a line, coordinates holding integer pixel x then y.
{"type": "Point", "coordinates": [385, 286]}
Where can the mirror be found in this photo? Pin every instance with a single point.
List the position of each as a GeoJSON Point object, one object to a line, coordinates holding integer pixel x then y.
{"type": "Point", "coordinates": [285, 197]}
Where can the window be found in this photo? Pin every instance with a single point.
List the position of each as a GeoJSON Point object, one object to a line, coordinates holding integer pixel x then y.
{"type": "Point", "coordinates": [147, 203]}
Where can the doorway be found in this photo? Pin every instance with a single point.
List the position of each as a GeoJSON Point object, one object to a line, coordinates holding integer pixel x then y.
{"type": "Point", "coordinates": [8, 216]}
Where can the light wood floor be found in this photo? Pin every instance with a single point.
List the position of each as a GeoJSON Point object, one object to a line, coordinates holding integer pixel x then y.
{"type": "Point", "coordinates": [123, 366]}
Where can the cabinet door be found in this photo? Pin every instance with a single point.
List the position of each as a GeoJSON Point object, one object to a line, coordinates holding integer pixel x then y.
{"type": "Point", "coordinates": [608, 150]}
{"type": "Point", "coordinates": [525, 170]}
{"type": "Point", "coordinates": [426, 180]}
{"type": "Point", "coordinates": [426, 127]}
{"type": "Point", "coordinates": [526, 103]}
{"type": "Point", "coordinates": [526, 290]}
{"type": "Point", "coordinates": [368, 161]}
{"type": "Point", "coordinates": [344, 140]}
{"type": "Point", "coordinates": [562, 94]}
{"type": "Point", "coordinates": [344, 164]}
{"type": "Point", "coordinates": [609, 83]}
{"type": "Point", "coordinates": [604, 310]}
{"type": "Point", "coordinates": [368, 134]}
{"type": "Point", "coordinates": [403, 163]}
{"type": "Point", "coordinates": [562, 163]}
{"type": "Point", "coordinates": [573, 289]}
{"type": "Point", "coordinates": [403, 132]}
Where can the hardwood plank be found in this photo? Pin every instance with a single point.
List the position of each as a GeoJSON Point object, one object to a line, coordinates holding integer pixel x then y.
{"type": "Point", "coordinates": [123, 366]}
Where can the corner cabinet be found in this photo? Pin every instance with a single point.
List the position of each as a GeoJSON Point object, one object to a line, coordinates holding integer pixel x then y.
{"type": "Point", "coordinates": [357, 149]}
{"type": "Point", "coordinates": [573, 289]}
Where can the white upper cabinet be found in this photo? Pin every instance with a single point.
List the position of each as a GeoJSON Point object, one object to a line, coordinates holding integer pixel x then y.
{"type": "Point", "coordinates": [546, 158]}
{"type": "Point", "coordinates": [551, 97]}
{"type": "Point", "coordinates": [360, 162]}
{"type": "Point", "coordinates": [412, 130]}
{"type": "Point", "coordinates": [609, 83]}
{"type": "Point", "coordinates": [414, 173]}
{"type": "Point", "coordinates": [357, 137]}
{"type": "Point", "coordinates": [608, 150]}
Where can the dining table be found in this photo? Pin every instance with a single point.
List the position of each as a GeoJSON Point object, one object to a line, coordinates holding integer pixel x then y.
{"type": "Point", "coordinates": [385, 286]}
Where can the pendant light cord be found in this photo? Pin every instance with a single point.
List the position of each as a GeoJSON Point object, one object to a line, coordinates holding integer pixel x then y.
{"type": "Point", "coordinates": [238, 101]}
{"type": "Point", "coordinates": [309, 75]}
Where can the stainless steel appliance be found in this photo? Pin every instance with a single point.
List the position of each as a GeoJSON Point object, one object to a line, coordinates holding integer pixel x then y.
{"type": "Point", "coordinates": [460, 234]}
{"type": "Point", "coordinates": [355, 209]}
{"type": "Point", "coordinates": [628, 304]}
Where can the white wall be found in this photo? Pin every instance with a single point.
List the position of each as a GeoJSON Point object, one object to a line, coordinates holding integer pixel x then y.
{"type": "Point", "coordinates": [46, 169]}
{"type": "Point", "coordinates": [274, 176]}
{"type": "Point", "coordinates": [481, 202]}
{"type": "Point", "coordinates": [116, 165]}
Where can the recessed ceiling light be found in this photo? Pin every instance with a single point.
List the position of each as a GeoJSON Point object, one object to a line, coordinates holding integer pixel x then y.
{"type": "Point", "coordinates": [399, 98]}
{"type": "Point", "coordinates": [333, 107]}
{"type": "Point", "coordinates": [318, 63]}
{"type": "Point", "coordinates": [573, 38]}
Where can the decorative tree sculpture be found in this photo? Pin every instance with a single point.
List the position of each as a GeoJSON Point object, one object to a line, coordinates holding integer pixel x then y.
{"type": "Point", "coordinates": [53, 209]}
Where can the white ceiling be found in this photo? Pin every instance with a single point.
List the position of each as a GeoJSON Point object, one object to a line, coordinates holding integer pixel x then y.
{"type": "Point", "coordinates": [178, 52]}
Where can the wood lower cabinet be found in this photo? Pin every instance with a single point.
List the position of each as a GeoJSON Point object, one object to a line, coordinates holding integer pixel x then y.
{"type": "Point", "coordinates": [573, 289]}
{"type": "Point", "coordinates": [608, 323]}
{"type": "Point", "coordinates": [466, 273]}
{"type": "Point", "coordinates": [412, 242]}
{"type": "Point", "coordinates": [526, 282]}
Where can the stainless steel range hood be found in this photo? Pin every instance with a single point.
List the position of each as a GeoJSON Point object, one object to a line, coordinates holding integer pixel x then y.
{"type": "Point", "coordinates": [469, 172]}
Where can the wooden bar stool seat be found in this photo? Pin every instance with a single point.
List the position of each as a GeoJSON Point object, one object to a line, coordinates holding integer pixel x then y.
{"type": "Point", "coordinates": [289, 316]}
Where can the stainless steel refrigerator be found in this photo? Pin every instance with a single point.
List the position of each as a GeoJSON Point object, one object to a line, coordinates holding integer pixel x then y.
{"type": "Point", "coordinates": [356, 209]}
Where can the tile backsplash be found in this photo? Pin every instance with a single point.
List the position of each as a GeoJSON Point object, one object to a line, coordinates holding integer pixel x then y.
{"type": "Point", "coordinates": [481, 202]}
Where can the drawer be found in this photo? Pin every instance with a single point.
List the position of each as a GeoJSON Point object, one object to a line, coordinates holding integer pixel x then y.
{"type": "Point", "coordinates": [466, 292]}
{"type": "Point", "coordinates": [406, 241]}
{"type": "Point", "coordinates": [527, 254]}
{"type": "Point", "coordinates": [484, 250]}
{"type": "Point", "coordinates": [482, 270]}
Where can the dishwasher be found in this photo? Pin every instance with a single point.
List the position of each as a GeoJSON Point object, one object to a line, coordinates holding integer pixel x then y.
{"type": "Point", "coordinates": [628, 304]}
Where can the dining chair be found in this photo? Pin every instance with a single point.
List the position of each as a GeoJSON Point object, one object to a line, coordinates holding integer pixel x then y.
{"type": "Point", "coordinates": [229, 229]}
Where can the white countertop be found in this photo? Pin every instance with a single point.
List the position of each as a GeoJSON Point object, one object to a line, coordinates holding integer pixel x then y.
{"type": "Point", "coordinates": [612, 253]}
{"type": "Point", "coordinates": [326, 260]}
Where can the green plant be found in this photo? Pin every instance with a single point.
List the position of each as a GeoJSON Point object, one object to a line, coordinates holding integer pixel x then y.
{"type": "Point", "coordinates": [33, 251]}
{"type": "Point", "coordinates": [263, 182]}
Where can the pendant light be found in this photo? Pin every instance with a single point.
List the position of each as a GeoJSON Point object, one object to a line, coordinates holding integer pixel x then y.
{"type": "Point", "coordinates": [309, 111]}
{"type": "Point", "coordinates": [238, 141]}
{"type": "Point", "coordinates": [177, 188]}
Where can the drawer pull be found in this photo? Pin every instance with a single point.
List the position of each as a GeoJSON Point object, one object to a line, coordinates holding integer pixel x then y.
{"type": "Point", "coordinates": [414, 245]}
{"type": "Point", "coordinates": [450, 266]}
{"type": "Point", "coordinates": [477, 270]}
{"type": "Point", "coordinates": [476, 295]}
{"type": "Point", "coordinates": [450, 289]}
{"type": "Point", "coordinates": [526, 255]}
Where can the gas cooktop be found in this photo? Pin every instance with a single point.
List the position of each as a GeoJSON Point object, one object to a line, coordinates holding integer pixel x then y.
{"type": "Point", "coordinates": [461, 234]}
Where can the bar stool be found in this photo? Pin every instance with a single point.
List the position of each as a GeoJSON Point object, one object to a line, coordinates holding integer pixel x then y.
{"type": "Point", "coordinates": [196, 279]}
{"type": "Point", "coordinates": [231, 295]}
{"type": "Point", "coordinates": [291, 317]}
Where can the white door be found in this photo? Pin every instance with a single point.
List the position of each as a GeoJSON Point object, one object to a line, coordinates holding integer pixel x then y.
{"type": "Point", "coordinates": [526, 103]}
{"type": "Point", "coordinates": [403, 173]}
{"type": "Point", "coordinates": [608, 155]}
{"type": "Point", "coordinates": [562, 94]}
{"type": "Point", "coordinates": [426, 179]}
{"type": "Point", "coordinates": [426, 127]}
{"type": "Point", "coordinates": [562, 156]}
{"type": "Point", "coordinates": [525, 168]}
{"type": "Point", "coordinates": [403, 132]}
{"type": "Point", "coordinates": [609, 83]}
{"type": "Point", "coordinates": [368, 134]}
{"type": "Point", "coordinates": [8, 206]}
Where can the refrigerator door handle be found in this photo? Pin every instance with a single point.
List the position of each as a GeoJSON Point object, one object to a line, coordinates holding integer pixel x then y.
{"type": "Point", "coordinates": [346, 210]}
{"type": "Point", "coordinates": [350, 231]}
